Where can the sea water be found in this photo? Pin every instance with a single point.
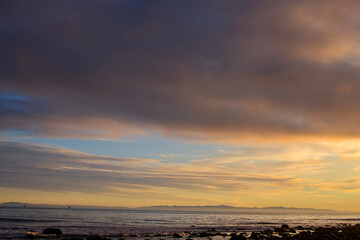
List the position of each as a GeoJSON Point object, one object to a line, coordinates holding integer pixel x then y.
{"type": "Point", "coordinates": [15, 222]}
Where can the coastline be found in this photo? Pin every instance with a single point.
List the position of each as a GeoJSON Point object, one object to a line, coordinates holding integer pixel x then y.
{"type": "Point", "coordinates": [342, 231]}
{"type": "Point", "coordinates": [90, 224]}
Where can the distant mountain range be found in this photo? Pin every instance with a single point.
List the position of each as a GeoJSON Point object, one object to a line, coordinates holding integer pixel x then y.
{"type": "Point", "coordinates": [225, 208]}
{"type": "Point", "coordinates": [212, 208]}
{"type": "Point", "coordinates": [31, 205]}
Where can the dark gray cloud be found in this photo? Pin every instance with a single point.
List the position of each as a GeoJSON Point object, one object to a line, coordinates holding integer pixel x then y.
{"type": "Point", "coordinates": [219, 69]}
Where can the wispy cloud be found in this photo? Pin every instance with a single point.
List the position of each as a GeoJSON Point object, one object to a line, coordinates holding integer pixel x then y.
{"type": "Point", "coordinates": [48, 168]}
{"type": "Point", "coordinates": [54, 169]}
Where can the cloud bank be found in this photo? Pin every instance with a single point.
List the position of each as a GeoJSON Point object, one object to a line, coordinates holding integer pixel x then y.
{"type": "Point", "coordinates": [258, 170]}
{"type": "Point", "coordinates": [41, 167]}
{"type": "Point", "coordinates": [218, 70]}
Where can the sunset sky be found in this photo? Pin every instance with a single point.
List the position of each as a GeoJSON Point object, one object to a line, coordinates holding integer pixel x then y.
{"type": "Point", "coordinates": [180, 102]}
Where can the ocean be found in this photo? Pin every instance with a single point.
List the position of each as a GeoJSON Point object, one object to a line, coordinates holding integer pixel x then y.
{"type": "Point", "coordinates": [15, 222]}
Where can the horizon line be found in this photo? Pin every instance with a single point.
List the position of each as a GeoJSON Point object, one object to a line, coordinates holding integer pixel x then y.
{"type": "Point", "coordinates": [165, 206]}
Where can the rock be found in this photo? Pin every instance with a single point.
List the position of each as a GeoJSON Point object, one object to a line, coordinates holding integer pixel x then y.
{"type": "Point", "coordinates": [205, 234]}
{"type": "Point", "coordinates": [176, 235]}
{"type": "Point", "coordinates": [303, 235]}
{"type": "Point", "coordinates": [30, 236]}
{"type": "Point", "coordinates": [254, 235]}
{"type": "Point", "coordinates": [237, 237]}
{"type": "Point", "coordinates": [267, 232]}
{"type": "Point", "coordinates": [97, 237]}
{"type": "Point", "coordinates": [55, 231]}
{"type": "Point", "coordinates": [299, 228]}
{"type": "Point", "coordinates": [285, 227]}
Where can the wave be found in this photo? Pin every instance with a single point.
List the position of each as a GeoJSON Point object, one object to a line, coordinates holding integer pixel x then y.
{"type": "Point", "coordinates": [349, 219]}
{"type": "Point", "coordinates": [155, 220]}
{"type": "Point", "coordinates": [263, 223]}
{"type": "Point", "coordinates": [338, 219]}
{"type": "Point", "coordinates": [25, 220]}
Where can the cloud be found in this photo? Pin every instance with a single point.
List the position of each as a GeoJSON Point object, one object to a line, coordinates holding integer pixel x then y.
{"type": "Point", "coordinates": [289, 167]}
{"type": "Point", "coordinates": [349, 185]}
{"type": "Point", "coordinates": [260, 175]}
{"type": "Point", "coordinates": [210, 70]}
{"type": "Point", "coordinates": [45, 168]}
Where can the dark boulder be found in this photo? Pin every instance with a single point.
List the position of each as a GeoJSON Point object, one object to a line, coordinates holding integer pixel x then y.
{"type": "Point", "coordinates": [304, 235]}
{"type": "Point", "coordinates": [299, 228]}
{"type": "Point", "coordinates": [237, 237]}
{"type": "Point", "coordinates": [55, 231]}
{"type": "Point", "coordinates": [267, 232]}
{"type": "Point", "coordinates": [95, 237]}
{"type": "Point", "coordinates": [285, 227]}
{"type": "Point", "coordinates": [176, 235]}
{"type": "Point", "coordinates": [30, 236]}
{"type": "Point", "coordinates": [254, 236]}
{"type": "Point", "coordinates": [205, 234]}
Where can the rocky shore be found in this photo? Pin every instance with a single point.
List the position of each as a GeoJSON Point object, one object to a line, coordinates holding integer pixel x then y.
{"type": "Point", "coordinates": [343, 232]}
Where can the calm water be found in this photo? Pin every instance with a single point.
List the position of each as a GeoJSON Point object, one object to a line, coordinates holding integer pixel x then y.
{"type": "Point", "coordinates": [14, 222]}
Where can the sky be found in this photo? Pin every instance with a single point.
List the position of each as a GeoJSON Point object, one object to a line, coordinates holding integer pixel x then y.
{"type": "Point", "coordinates": [174, 102]}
